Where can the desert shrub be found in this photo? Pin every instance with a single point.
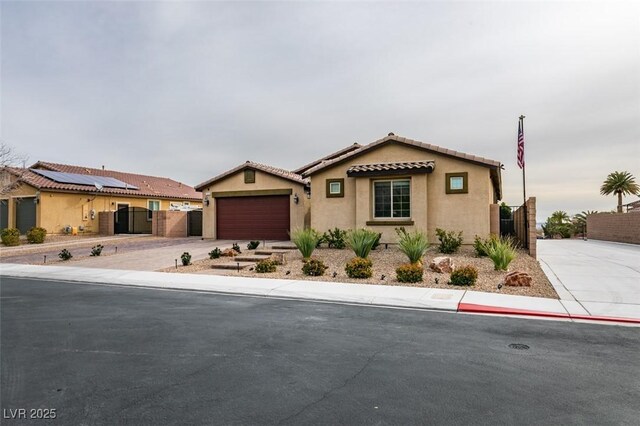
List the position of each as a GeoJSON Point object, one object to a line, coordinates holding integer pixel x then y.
{"type": "Point", "coordinates": [450, 241]}
{"type": "Point", "coordinates": [376, 243]}
{"type": "Point", "coordinates": [10, 237]}
{"type": "Point", "coordinates": [335, 238]}
{"type": "Point", "coordinates": [65, 254]}
{"type": "Point", "coordinates": [215, 253]}
{"type": "Point", "coordinates": [314, 267]}
{"type": "Point", "coordinates": [36, 235]}
{"type": "Point", "coordinates": [186, 258]}
{"type": "Point", "coordinates": [266, 265]}
{"type": "Point", "coordinates": [306, 240]}
{"type": "Point", "coordinates": [481, 245]}
{"type": "Point", "coordinates": [236, 248]}
{"type": "Point", "coordinates": [409, 273]}
{"type": "Point", "coordinates": [464, 275]}
{"type": "Point", "coordinates": [502, 251]}
{"type": "Point", "coordinates": [359, 267]}
{"type": "Point", "coordinates": [412, 244]}
{"type": "Point", "coordinates": [96, 250]}
{"type": "Point", "coordinates": [253, 245]}
{"type": "Point", "coordinates": [361, 241]}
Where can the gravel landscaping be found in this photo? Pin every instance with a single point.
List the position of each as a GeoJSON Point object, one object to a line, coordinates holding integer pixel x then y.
{"type": "Point", "coordinates": [385, 262]}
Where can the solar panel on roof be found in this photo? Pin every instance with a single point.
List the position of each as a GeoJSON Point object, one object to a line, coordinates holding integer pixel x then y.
{"type": "Point", "coordinates": [89, 180]}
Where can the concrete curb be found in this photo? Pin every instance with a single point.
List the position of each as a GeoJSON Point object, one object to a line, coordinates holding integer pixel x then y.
{"type": "Point", "coordinates": [361, 294]}
{"type": "Point", "coordinates": [483, 309]}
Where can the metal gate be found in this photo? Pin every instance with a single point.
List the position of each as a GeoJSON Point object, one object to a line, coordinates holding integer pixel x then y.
{"type": "Point", "coordinates": [132, 220]}
{"type": "Point", "coordinates": [513, 223]}
{"type": "Point", "coordinates": [4, 214]}
{"type": "Point", "coordinates": [25, 213]}
{"type": "Point", "coordinates": [194, 223]}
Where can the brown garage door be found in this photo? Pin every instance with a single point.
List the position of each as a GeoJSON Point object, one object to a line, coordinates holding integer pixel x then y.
{"type": "Point", "coordinates": [253, 218]}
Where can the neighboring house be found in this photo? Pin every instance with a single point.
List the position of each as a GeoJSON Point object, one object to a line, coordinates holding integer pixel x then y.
{"type": "Point", "coordinates": [386, 184]}
{"type": "Point", "coordinates": [633, 207]}
{"type": "Point", "coordinates": [59, 196]}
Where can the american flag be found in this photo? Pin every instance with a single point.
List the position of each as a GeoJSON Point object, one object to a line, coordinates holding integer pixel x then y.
{"type": "Point", "coordinates": [520, 145]}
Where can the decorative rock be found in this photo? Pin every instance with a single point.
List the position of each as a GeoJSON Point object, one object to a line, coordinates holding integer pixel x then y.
{"type": "Point", "coordinates": [517, 279]}
{"type": "Point", "coordinates": [229, 253]}
{"type": "Point", "coordinates": [442, 264]}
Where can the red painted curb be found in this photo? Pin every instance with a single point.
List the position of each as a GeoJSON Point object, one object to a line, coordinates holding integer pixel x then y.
{"type": "Point", "coordinates": [484, 309]}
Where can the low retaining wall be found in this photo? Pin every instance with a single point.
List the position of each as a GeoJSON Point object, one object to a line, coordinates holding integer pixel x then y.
{"type": "Point", "coordinates": [618, 227]}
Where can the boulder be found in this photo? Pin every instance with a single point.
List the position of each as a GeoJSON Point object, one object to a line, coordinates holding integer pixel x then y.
{"type": "Point", "coordinates": [442, 264]}
{"type": "Point", "coordinates": [229, 253]}
{"type": "Point", "coordinates": [517, 279]}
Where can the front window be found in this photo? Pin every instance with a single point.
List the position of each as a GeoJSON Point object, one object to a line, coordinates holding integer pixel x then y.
{"type": "Point", "coordinates": [392, 199]}
{"type": "Point", "coordinates": [153, 205]}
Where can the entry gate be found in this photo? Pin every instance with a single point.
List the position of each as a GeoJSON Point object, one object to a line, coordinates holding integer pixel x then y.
{"type": "Point", "coordinates": [513, 223]}
{"type": "Point", "coordinates": [132, 220]}
{"type": "Point", "coordinates": [194, 223]}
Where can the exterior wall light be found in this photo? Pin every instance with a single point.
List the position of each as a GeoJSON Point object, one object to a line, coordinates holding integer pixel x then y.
{"type": "Point", "coordinates": [296, 200]}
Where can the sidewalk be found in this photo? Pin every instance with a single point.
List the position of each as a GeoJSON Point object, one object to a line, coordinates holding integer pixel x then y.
{"type": "Point", "coordinates": [390, 296]}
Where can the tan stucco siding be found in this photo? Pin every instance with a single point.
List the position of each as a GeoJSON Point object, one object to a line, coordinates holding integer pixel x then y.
{"type": "Point", "coordinates": [263, 182]}
{"type": "Point", "coordinates": [60, 209]}
{"type": "Point", "coordinates": [431, 207]}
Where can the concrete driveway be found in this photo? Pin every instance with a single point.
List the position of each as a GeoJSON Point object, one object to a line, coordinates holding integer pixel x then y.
{"type": "Point", "coordinates": [603, 278]}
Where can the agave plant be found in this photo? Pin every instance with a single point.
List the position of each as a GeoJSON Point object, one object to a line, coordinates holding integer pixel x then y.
{"type": "Point", "coordinates": [306, 240]}
{"type": "Point", "coordinates": [361, 241]}
{"type": "Point", "coordinates": [413, 244]}
{"type": "Point", "coordinates": [502, 251]}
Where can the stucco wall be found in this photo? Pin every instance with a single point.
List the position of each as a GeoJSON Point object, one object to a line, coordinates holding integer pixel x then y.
{"type": "Point", "coordinates": [263, 182]}
{"type": "Point", "coordinates": [431, 207]}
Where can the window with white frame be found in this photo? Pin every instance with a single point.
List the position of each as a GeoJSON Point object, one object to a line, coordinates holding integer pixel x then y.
{"type": "Point", "coordinates": [392, 199]}
{"type": "Point", "coordinates": [152, 205]}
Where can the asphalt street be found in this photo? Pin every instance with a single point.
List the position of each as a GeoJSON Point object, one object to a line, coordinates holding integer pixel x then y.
{"type": "Point", "coordinates": [111, 355]}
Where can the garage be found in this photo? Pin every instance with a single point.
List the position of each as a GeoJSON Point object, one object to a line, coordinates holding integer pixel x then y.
{"type": "Point", "coordinates": [25, 214]}
{"type": "Point", "coordinates": [253, 218]}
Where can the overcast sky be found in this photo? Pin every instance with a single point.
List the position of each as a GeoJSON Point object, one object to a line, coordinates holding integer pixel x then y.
{"type": "Point", "coordinates": [188, 90]}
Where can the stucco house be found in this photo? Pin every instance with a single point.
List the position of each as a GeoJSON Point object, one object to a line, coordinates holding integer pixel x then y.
{"type": "Point", "coordinates": [61, 196]}
{"type": "Point", "coordinates": [388, 183]}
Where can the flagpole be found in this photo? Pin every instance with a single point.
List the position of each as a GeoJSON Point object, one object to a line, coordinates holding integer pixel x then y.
{"type": "Point", "coordinates": [524, 184]}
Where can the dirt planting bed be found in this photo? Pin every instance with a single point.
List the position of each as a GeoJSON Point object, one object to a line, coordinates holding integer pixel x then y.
{"type": "Point", "coordinates": [385, 262]}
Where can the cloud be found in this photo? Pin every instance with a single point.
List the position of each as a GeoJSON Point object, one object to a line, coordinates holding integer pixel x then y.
{"type": "Point", "coordinates": [190, 89]}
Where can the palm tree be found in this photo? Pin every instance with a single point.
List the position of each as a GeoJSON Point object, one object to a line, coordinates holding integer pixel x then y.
{"type": "Point", "coordinates": [620, 183]}
{"type": "Point", "coordinates": [580, 220]}
{"type": "Point", "coordinates": [560, 216]}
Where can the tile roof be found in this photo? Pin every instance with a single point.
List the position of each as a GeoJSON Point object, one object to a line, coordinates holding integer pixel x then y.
{"type": "Point", "coordinates": [426, 166]}
{"type": "Point", "coordinates": [148, 186]}
{"type": "Point", "coordinates": [331, 156]}
{"type": "Point", "coordinates": [393, 138]}
{"type": "Point", "coordinates": [275, 171]}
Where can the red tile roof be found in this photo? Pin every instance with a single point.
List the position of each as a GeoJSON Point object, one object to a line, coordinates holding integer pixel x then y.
{"type": "Point", "coordinates": [331, 156]}
{"type": "Point", "coordinates": [393, 138]}
{"type": "Point", "coordinates": [275, 171]}
{"type": "Point", "coordinates": [148, 186]}
{"type": "Point", "coordinates": [426, 166]}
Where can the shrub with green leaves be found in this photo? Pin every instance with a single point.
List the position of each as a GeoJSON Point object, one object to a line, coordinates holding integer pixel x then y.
{"type": "Point", "coordinates": [253, 245]}
{"type": "Point", "coordinates": [376, 243]}
{"type": "Point", "coordinates": [215, 253]}
{"type": "Point", "coordinates": [96, 250]}
{"type": "Point", "coordinates": [361, 241]}
{"type": "Point", "coordinates": [502, 251]}
{"type": "Point", "coordinates": [413, 244]}
{"type": "Point", "coordinates": [314, 267]}
{"type": "Point", "coordinates": [266, 265]}
{"type": "Point", "coordinates": [186, 258]}
{"type": "Point", "coordinates": [409, 273]}
{"type": "Point", "coordinates": [36, 235]}
{"type": "Point", "coordinates": [450, 241]}
{"type": "Point", "coordinates": [481, 245]}
{"type": "Point", "coordinates": [10, 236]}
{"type": "Point", "coordinates": [335, 238]}
{"type": "Point", "coordinates": [306, 240]}
{"type": "Point", "coordinates": [235, 247]}
{"type": "Point", "coordinates": [65, 254]}
{"type": "Point", "coordinates": [464, 275]}
{"type": "Point", "coordinates": [359, 267]}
